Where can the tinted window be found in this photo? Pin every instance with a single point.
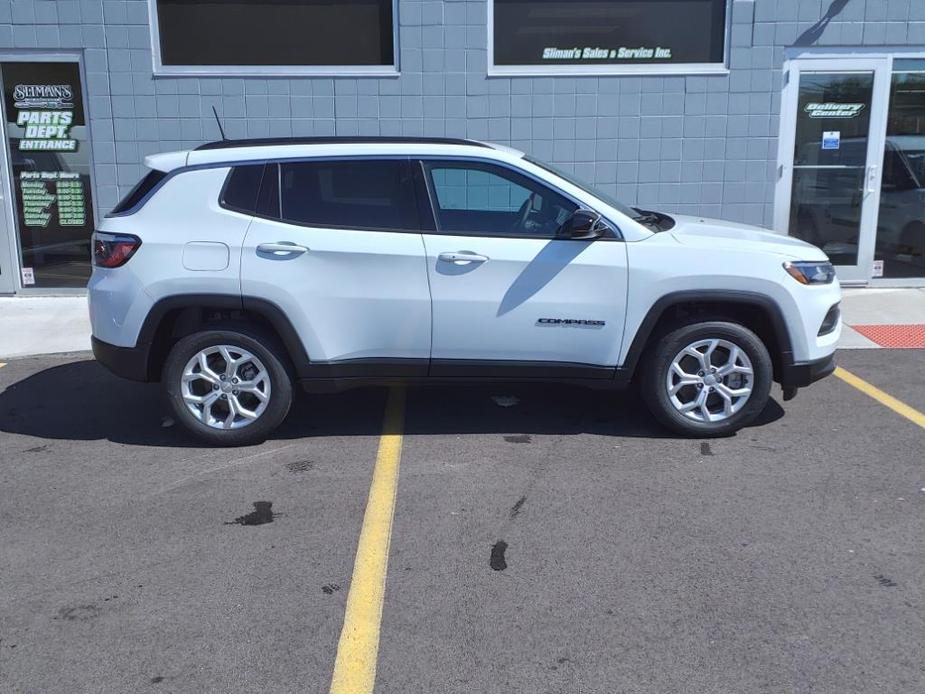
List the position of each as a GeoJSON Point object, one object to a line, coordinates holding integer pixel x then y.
{"type": "Point", "coordinates": [374, 194]}
{"type": "Point", "coordinates": [471, 197]}
{"type": "Point", "coordinates": [275, 32]}
{"type": "Point", "coordinates": [242, 187]}
{"type": "Point", "coordinates": [608, 32]}
{"type": "Point", "coordinates": [141, 189]}
{"type": "Point", "coordinates": [268, 199]}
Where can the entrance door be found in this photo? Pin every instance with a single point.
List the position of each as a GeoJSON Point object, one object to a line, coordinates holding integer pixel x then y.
{"type": "Point", "coordinates": [47, 216]}
{"type": "Point", "coordinates": [832, 139]}
{"type": "Point", "coordinates": [900, 248]}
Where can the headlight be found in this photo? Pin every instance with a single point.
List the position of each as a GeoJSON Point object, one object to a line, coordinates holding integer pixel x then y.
{"type": "Point", "coordinates": [807, 272]}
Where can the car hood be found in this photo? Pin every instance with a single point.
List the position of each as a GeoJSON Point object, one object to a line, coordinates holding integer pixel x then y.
{"type": "Point", "coordinates": [717, 234]}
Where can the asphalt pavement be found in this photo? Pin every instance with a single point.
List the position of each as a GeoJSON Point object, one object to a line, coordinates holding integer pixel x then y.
{"type": "Point", "coordinates": [545, 539]}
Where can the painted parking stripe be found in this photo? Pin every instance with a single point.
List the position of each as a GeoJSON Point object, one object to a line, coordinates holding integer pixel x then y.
{"type": "Point", "coordinates": [2, 364]}
{"type": "Point", "coordinates": [357, 651]}
{"type": "Point", "coordinates": [898, 406]}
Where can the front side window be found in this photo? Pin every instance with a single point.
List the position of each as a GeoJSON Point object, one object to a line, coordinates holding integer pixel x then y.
{"type": "Point", "coordinates": [273, 36]}
{"type": "Point", "coordinates": [488, 200]}
{"type": "Point", "coordinates": [375, 194]}
{"type": "Point", "coordinates": [608, 36]}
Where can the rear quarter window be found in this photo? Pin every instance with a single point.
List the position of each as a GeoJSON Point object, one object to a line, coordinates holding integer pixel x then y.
{"type": "Point", "coordinates": [139, 192]}
{"type": "Point", "coordinates": [241, 188]}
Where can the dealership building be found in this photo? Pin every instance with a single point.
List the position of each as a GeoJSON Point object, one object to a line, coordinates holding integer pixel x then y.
{"type": "Point", "coordinates": [803, 116]}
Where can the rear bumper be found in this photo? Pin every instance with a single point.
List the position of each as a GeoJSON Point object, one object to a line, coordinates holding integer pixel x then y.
{"type": "Point", "coordinates": [802, 374]}
{"type": "Point", "coordinates": [127, 362]}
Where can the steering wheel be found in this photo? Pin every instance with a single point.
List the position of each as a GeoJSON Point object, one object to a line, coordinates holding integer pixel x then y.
{"type": "Point", "coordinates": [524, 214]}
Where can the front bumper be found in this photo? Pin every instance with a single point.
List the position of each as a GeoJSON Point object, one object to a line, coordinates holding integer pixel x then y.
{"type": "Point", "coordinates": [127, 362]}
{"type": "Point", "coordinates": [802, 374]}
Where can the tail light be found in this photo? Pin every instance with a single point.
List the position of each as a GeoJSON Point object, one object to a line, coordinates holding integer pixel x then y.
{"type": "Point", "coordinates": [113, 250]}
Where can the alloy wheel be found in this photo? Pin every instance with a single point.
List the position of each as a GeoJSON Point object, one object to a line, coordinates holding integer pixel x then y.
{"type": "Point", "coordinates": [225, 387]}
{"type": "Point", "coordinates": [710, 380]}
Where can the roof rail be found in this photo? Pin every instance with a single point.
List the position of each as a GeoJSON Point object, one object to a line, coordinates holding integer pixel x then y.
{"type": "Point", "coordinates": [271, 141]}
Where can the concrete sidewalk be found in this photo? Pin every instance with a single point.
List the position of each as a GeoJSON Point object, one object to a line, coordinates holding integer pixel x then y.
{"type": "Point", "coordinates": [46, 325]}
{"type": "Point", "coordinates": [43, 325]}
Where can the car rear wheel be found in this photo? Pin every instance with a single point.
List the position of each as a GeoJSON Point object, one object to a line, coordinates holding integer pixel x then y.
{"type": "Point", "coordinates": [708, 379]}
{"type": "Point", "coordinates": [228, 387]}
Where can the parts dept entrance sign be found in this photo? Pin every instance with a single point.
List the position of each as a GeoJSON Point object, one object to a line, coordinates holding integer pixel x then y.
{"type": "Point", "coordinates": [49, 152]}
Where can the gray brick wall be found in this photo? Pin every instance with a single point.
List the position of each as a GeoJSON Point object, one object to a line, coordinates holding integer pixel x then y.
{"type": "Point", "coordinates": [698, 144]}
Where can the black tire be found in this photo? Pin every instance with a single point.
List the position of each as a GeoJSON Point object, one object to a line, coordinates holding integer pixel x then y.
{"type": "Point", "coordinates": [655, 373]}
{"type": "Point", "coordinates": [261, 346]}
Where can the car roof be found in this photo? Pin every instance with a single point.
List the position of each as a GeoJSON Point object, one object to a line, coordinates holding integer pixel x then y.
{"type": "Point", "coordinates": [236, 151]}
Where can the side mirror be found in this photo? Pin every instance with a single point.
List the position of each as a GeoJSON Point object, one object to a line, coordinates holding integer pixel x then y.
{"type": "Point", "coordinates": [582, 225]}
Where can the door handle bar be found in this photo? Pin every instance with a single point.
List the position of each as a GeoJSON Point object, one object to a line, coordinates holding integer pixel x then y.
{"type": "Point", "coordinates": [462, 257]}
{"type": "Point", "coordinates": [281, 248]}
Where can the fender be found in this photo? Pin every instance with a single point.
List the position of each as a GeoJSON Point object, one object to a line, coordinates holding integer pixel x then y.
{"type": "Point", "coordinates": [265, 309]}
{"type": "Point", "coordinates": [767, 305]}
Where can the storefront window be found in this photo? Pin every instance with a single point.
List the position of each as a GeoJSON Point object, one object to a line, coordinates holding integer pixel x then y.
{"type": "Point", "coordinates": [273, 36]}
{"type": "Point", "coordinates": [49, 153]}
{"type": "Point", "coordinates": [536, 36]}
{"type": "Point", "coordinates": [901, 224]}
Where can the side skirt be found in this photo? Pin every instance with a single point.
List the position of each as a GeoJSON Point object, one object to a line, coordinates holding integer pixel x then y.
{"type": "Point", "coordinates": [360, 373]}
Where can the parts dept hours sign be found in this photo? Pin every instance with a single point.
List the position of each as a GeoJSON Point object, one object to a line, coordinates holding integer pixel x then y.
{"type": "Point", "coordinates": [49, 151]}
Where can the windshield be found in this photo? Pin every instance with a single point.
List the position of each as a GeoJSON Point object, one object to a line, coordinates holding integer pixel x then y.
{"type": "Point", "coordinates": [578, 183]}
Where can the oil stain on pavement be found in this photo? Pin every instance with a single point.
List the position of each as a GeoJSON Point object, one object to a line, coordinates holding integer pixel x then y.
{"type": "Point", "coordinates": [262, 513]}
{"type": "Point", "coordinates": [497, 561]}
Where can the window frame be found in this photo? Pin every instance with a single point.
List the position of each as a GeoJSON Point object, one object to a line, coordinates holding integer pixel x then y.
{"type": "Point", "coordinates": [612, 233]}
{"type": "Point", "coordinates": [161, 70]}
{"type": "Point", "coordinates": [721, 68]}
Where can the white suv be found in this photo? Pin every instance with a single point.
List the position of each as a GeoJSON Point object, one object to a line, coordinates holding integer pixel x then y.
{"type": "Point", "coordinates": [235, 270]}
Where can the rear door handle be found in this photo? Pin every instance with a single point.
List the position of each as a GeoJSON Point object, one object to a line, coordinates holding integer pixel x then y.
{"type": "Point", "coordinates": [282, 248]}
{"type": "Point", "coordinates": [462, 258]}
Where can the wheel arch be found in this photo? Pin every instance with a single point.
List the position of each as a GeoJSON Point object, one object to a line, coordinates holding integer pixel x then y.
{"type": "Point", "coordinates": [176, 316]}
{"type": "Point", "coordinates": [755, 311]}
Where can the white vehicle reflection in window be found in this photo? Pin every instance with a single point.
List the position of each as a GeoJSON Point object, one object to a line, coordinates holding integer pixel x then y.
{"type": "Point", "coordinates": [827, 203]}
{"type": "Point", "coordinates": [901, 223]}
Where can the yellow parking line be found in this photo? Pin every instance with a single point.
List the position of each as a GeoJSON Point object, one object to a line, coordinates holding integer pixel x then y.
{"type": "Point", "coordinates": [2, 364]}
{"type": "Point", "coordinates": [897, 406]}
{"type": "Point", "coordinates": [355, 666]}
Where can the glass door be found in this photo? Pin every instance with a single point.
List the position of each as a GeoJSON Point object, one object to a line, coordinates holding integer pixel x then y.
{"type": "Point", "coordinates": [833, 119]}
{"type": "Point", "coordinates": [900, 244]}
{"type": "Point", "coordinates": [47, 165]}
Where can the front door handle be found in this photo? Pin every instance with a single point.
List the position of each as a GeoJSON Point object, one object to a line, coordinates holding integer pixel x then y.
{"type": "Point", "coordinates": [462, 258]}
{"type": "Point", "coordinates": [281, 248]}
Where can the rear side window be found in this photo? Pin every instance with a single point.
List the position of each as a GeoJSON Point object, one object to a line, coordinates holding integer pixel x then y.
{"type": "Point", "coordinates": [138, 193]}
{"type": "Point", "coordinates": [241, 188]}
{"type": "Point", "coordinates": [354, 194]}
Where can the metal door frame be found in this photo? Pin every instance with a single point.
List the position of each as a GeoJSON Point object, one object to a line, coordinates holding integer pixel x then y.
{"type": "Point", "coordinates": [882, 67]}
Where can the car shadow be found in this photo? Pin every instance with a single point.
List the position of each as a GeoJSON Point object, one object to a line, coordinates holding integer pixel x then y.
{"type": "Point", "coordinates": [80, 400]}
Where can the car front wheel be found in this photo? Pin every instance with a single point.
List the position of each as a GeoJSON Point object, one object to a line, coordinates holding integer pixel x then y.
{"type": "Point", "coordinates": [708, 379]}
{"type": "Point", "coordinates": [228, 387]}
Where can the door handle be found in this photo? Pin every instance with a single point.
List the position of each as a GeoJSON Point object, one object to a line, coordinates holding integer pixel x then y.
{"type": "Point", "coordinates": [871, 179]}
{"type": "Point", "coordinates": [462, 258]}
{"type": "Point", "coordinates": [281, 248]}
